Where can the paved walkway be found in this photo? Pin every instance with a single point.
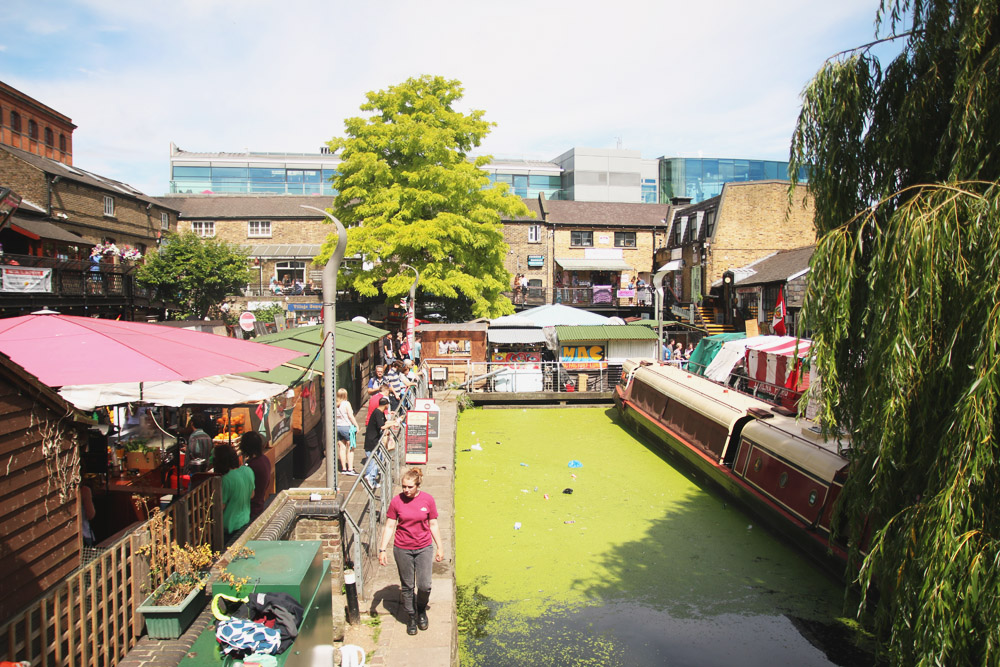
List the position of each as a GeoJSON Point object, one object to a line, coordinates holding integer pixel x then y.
{"type": "Point", "coordinates": [438, 645]}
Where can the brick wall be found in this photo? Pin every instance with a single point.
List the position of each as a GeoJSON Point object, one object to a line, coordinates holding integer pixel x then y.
{"type": "Point", "coordinates": [24, 179]}
{"type": "Point", "coordinates": [283, 231]}
{"type": "Point", "coordinates": [83, 205]}
{"type": "Point", "coordinates": [327, 531]}
{"type": "Point", "coordinates": [755, 220]}
{"type": "Point", "coordinates": [31, 110]}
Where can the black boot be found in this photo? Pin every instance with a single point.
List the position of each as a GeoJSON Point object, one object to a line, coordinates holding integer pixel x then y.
{"type": "Point", "coordinates": [411, 625]}
{"type": "Point", "coordinates": [422, 618]}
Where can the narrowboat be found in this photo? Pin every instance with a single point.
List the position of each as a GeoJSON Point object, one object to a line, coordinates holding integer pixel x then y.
{"type": "Point", "coordinates": [780, 468]}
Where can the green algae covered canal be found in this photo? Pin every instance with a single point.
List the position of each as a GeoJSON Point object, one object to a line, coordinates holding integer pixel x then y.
{"type": "Point", "coordinates": [638, 565]}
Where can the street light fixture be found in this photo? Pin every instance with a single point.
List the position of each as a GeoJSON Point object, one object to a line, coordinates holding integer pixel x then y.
{"type": "Point", "coordinates": [658, 284]}
{"type": "Point", "coordinates": [330, 349]}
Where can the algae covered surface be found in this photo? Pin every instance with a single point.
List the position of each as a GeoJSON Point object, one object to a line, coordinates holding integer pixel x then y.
{"type": "Point", "coordinates": [638, 565]}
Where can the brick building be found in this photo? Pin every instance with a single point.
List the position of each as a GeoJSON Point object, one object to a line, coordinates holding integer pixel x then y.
{"type": "Point", "coordinates": [29, 125]}
{"type": "Point", "coordinates": [751, 287]}
{"type": "Point", "coordinates": [281, 236]}
{"type": "Point", "coordinates": [746, 223]}
{"type": "Point", "coordinates": [571, 251]}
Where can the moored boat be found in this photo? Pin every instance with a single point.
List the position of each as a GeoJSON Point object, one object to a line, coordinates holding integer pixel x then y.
{"type": "Point", "coordinates": [779, 467]}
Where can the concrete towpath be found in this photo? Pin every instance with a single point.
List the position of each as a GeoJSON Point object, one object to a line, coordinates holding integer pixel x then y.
{"type": "Point", "coordinates": [438, 645]}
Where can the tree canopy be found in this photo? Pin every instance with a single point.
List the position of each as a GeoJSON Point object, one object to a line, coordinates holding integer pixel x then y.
{"type": "Point", "coordinates": [195, 273]}
{"type": "Point", "coordinates": [903, 300]}
{"type": "Point", "coordinates": [409, 194]}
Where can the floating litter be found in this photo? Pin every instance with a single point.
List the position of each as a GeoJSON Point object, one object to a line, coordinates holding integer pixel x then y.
{"type": "Point", "coordinates": [476, 447]}
{"type": "Point", "coordinates": [568, 491]}
{"type": "Point", "coordinates": [575, 464]}
{"type": "Point", "coordinates": [573, 476]}
{"type": "Point", "coordinates": [750, 527]}
{"type": "Point", "coordinates": [524, 465]}
{"type": "Point", "coordinates": [570, 521]}
{"type": "Point", "coordinates": [517, 525]}
{"type": "Point", "coordinates": [525, 491]}
{"type": "Point", "coordinates": [546, 496]}
{"type": "Point", "coordinates": [467, 449]}
{"type": "Point", "coordinates": [536, 489]}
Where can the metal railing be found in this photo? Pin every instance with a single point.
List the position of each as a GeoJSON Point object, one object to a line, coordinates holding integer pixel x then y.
{"type": "Point", "coordinates": [90, 619]}
{"type": "Point", "coordinates": [366, 503]}
{"type": "Point", "coordinates": [580, 296]}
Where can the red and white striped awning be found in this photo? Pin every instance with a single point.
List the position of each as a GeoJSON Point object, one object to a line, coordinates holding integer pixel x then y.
{"type": "Point", "coordinates": [776, 363]}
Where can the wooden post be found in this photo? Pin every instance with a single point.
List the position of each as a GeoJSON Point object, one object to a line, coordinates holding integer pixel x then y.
{"type": "Point", "coordinates": [218, 531]}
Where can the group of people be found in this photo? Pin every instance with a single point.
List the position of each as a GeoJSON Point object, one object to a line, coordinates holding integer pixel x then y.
{"type": "Point", "coordinates": [288, 286]}
{"type": "Point", "coordinates": [398, 349]}
{"type": "Point", "coordinates": [520, 287]}
{"type": "Point", "coordinates": [676, 352]}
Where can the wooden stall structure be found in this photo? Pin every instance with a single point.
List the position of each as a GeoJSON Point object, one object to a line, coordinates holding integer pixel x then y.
{"type": "Point", "coordinates": [453, 353]}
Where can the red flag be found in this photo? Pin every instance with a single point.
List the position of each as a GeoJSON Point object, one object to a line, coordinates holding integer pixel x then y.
{"type": "Point", "coordinates": [778, 323]}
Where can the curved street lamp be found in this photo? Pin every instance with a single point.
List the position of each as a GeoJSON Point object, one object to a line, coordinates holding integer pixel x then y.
{"type": "Point", "coordinates": [330, 349]}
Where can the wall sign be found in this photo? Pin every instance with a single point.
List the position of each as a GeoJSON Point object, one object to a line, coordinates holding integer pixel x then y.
{"type": "Point", "coordinates": [536, 261]}
{"type": "Point", "coordinates": [416, 436]}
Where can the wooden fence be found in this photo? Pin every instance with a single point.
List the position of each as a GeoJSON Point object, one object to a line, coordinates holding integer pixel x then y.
{"type": "Point", "coordinates": [90, 618]}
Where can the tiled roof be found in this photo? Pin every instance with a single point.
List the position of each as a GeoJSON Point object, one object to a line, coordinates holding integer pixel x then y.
{"type": "Point", "coordinates": [215, 207]}
{"type": "Point", "coordinates": [778, 267]}
{"type": "Point", "coordinates": [109, 185]}
{"type": "Point", "coordinates": [596, 214]}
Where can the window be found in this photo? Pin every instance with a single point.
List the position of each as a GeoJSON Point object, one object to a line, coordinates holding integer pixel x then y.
{"type": "Point", "coordinates": [62, 143]}
{"type": "Point", "coordinates": [289, 272]}
{"type": "Point", "coordinates": [534, 234]}
{"type": "Point", "coordinates": [32, 129]}
{"type": "Point", "coordinates": [709, 224]}
{"type": "Point", "coordinates": [624, 239]}
{"type": "Point", "coordinates": [50, 138]}
{"type": "Point", "coordinates": [679, 229]}
{"type": "Point", "coordinates": [164, 221]}
{"type": "Point", "coordinates": [259, 229]}
{"type": "Point", "coordinates": [203, 229]}
{"type": "Point", "coordinates": [581, 238]}
{"type": "Point", "coordinates": [109, 205]}
{"type": "Point", "coordinates": [15, 121]}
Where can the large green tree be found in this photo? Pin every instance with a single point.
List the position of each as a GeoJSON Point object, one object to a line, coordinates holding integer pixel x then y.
{"type": "Point", "coordinates": [903, 300]}
{"type": "Point", "coordinates": [195, 273]}
{"type": "Point", "coordinates": [411, 195]}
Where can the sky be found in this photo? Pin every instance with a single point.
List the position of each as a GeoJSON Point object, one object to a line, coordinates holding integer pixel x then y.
{"type": "Point", "coordinates": [717, 78]}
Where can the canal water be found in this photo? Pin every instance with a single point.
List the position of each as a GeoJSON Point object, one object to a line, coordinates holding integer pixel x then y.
{"type": "Point", "coordinates": [622, 561]}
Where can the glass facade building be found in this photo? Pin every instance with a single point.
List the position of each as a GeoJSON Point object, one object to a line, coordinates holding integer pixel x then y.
{"type": "Point", "coordinates": [529, 185]}
{"type": "Point", "coordinates": [703, 178]}
{"type": "Point", "coordinates": [250, 178]}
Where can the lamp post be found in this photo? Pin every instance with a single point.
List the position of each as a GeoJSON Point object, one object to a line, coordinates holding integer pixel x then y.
{"type": "Point", "coordinates": [658, 284]}
{"type": "Point", "coordinates": [412, 310]}
{"type": "Point", "coordinates": [330, 349]}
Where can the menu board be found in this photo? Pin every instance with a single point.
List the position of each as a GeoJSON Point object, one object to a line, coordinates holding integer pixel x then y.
{"type": "Point", "coordinates": [416, 436]}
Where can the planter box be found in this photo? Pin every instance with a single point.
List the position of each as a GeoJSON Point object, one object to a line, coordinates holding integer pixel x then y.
{"type": "Point", "coordinates": [171, 622]}
{"type": "Point", "coordinates": [142, 460]}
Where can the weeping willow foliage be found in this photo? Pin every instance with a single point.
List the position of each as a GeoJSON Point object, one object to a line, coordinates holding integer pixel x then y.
{"type": "Point", "coordinates": [904, 302]}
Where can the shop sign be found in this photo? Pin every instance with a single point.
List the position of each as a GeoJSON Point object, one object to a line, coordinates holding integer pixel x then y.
{"type": "Point", "coordinates": [316, 306]}
{"type": "Point", "coordinates": [517, 357]}
{"type": "Point", "coordinates": [21, 279]}
{"type": "Point", "coordinates": [536, 261]}
{"type": "Point", "coordinates": [583, 353]}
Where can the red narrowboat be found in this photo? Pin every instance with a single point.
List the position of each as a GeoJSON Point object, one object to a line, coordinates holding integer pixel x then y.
{"type": "Point", "coordinates": [779, 467]}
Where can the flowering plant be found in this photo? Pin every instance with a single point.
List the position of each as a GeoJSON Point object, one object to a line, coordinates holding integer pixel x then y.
{"type": "Point", "coordinates": [128, 252]}
{"type": "Point", "coordinates": [103, 249]}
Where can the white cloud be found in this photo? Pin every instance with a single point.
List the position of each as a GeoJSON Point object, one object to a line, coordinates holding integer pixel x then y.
{"type": "Point", "coordinates": [667, 77]}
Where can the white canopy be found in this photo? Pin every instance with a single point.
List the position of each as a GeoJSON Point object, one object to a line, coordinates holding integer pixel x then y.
{"type": "Point", "coordinates": [733, 351]}
{"type": "Point", "coordinates": [213, 390]}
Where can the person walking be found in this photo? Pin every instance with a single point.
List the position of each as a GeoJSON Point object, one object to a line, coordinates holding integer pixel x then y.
{"type": "Point", "coordinates": [411, 523]}
{"type": "Point", "coordinates": [345, 422]}
{"type": "Point", "coordinates": [377, 423]}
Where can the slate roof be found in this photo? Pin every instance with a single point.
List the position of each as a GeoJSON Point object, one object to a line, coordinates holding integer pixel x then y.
{"type": "Point", "coordinates": [598, 214]}
{"type": "Point", "coordinates": [779, 267]}
{"type": "Point", "coordinates": [109, 185]}
{"type": "Point", "coordinates": [242, 207]}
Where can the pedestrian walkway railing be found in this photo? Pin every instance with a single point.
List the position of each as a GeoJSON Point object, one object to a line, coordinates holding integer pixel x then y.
{"type": "Point", "coordinates": [526, 377]}
{"type": "Point", "coordinates": [89, 619]}
{"type": "Point", "coordinates": [367, 500]}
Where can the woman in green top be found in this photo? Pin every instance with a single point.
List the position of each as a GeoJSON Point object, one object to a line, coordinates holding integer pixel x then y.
{"type": "Point", "coordinates": [237, 489]}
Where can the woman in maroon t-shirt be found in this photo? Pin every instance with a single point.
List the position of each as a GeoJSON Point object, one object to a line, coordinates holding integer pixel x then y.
{"type": "Point", "coordinates": [412, 519]}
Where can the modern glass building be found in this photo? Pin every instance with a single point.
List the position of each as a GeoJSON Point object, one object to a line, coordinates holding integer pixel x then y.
{"type": "Point", "coordinates": [702, 178]}
{"type": "Point", "coordinates": [251, 173]}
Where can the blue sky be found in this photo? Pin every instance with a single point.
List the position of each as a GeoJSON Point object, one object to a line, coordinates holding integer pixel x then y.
{"type": "Point", "coordinates": [722, 78]}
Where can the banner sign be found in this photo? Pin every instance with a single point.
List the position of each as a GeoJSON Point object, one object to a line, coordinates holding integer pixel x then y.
{"type": "Point", "coordinates": [517, 357]}
{"type": "Point", "coordinates": [22, 279]}
{"type": "Point", "coordinates": [583, 357]}
{"type": "Point", "coordinates": [416, 436]}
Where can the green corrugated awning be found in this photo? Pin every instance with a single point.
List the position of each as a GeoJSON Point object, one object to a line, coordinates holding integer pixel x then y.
{"type": "Point", "coordinates": [350, 339]}
{"type": "Point", "coordinates": [597, 333]}
{"type": "Point", "coordinates": [282, 374]}
{"type": "Point", "coordinates": [363, 328]}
